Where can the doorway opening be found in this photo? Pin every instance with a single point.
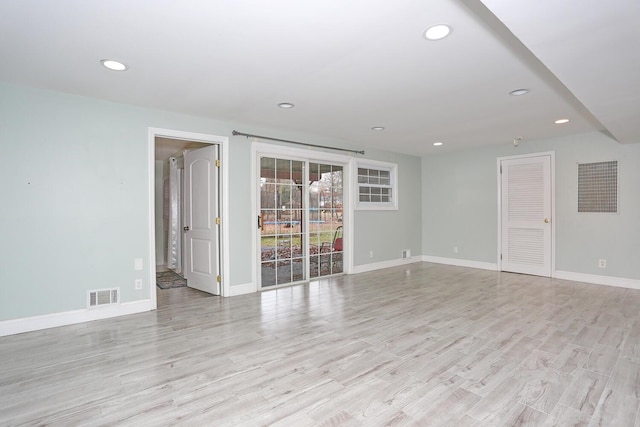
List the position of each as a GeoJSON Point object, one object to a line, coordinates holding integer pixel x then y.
{"type": "Point", "coordinates": [186, 210]}
{"type": "Point", "coordinates": [169, 214]}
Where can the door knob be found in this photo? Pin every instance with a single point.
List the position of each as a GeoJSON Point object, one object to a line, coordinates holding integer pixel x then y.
{"type": "Point", "coordinates": [546, 220]}
{"type": "Point", "coordinates": [186, 228]}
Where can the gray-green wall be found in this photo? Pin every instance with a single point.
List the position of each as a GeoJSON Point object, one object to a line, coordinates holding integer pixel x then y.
{"type": "Point", "coordinates": [74, 210]}
{"type": "Point", "coordinates": [388, 233]}
{"type": "Point", "coordinates": [460, 205]}
{"type": "Point", "coordinates": [74, 206]}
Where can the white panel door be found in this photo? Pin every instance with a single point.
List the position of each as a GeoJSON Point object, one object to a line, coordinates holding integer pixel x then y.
{"type": "Point", "coordinates": [201, 211]}
{"type": "Point", "coordinates": [526, 215]}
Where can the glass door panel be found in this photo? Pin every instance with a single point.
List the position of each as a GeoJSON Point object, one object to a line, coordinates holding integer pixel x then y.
{"type": "Point", "coordinates": [325, 219]}
{"type": "Point", "coordinates": [282, 239]}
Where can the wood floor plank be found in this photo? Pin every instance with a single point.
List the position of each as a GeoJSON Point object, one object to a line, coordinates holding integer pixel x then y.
{"type": "Point", "coordinates": [615, 409]}
{"type": "Point", "coordinates": [544, 391]}
{"type": "Point", "coordinates": [499, 402]}
{"type": "Point", "coordinates": [565, 416]}
{"type": "Point", "coordinates": [572, 358]}
{"type": "Point", "coordinates": [584, 393]}
{"type": "Point", "coordinates": [417, 345]}
{"type": "Point", "coordinates": [625, 378]}
{"type": "Point", "coordinates": [613, 337]}
{"type": "Point", "coordinates": [534, 365]}
{"type": "Point", "coordinates": [602, 359]}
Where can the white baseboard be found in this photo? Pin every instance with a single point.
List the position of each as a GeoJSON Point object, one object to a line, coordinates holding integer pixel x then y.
{"type": "Point", "coordinates": [245, 288]}
{"type": "Point", "coordinates": [461, 262]}
{"type": "Point", "coordinates": [383, 264]}
{"type": "Point", "coordinates": [36, 323]}
{"type": "Point", "coordinates": [620, 282]}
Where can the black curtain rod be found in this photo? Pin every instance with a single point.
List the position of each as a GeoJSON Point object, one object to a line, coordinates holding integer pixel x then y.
{"type": "Point", "coordinates": [236, 133]}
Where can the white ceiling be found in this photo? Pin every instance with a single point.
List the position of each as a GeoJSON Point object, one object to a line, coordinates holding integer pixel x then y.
{"type": "Point", "coordinates": [346, 65]}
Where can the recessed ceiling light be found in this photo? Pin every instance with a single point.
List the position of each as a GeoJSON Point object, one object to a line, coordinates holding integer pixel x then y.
{"type": "Point", "coordinates": [437, 32]}
{"type": "Point", "coordinates": [113, 65]}
{"type": "Point", "coordinates": [437, 144]}
{"type": "Point", "coordinates": [519, 92]}
{"type": "Point", "coordinates": [561, 121]}
{"type": "Point", "coordinates": [377, 128]}
{"type": "Point", "coordinates": [286, 105]}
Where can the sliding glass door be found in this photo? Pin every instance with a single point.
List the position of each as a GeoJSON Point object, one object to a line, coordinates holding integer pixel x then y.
{"type": "Point", "coordinates": [325, 219]}
{"type": "Point", "coordinates": [281, 221]}
{"type": "Point", "coordinates": [300, 220]}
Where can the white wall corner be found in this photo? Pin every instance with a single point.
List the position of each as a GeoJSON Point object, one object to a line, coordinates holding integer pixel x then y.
{"type": "Point", "coordinates": [46, 321]}
{"type": "Point", "coordinates": [245, 288]}
{"type": "Point", "coordinates": [384, 264]}
{"type": "Point", "coordinates": [620, 282]}
{"type": "Point", "coordinates": [461, 262]}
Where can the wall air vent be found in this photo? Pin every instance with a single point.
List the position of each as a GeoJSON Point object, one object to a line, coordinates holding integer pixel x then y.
{"type": "Point", "coordinates": [100, 297]}
{"type": "Point", "coordinates": [598, 187]}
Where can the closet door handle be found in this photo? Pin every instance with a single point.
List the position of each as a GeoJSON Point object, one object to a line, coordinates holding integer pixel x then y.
{"type": "Point", "coordinates": [186, 228]}
{"type": "Point", "coordinates": [259, 221]}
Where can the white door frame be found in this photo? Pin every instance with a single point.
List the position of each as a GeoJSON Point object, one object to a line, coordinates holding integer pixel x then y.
{"type": "Point", "coordinates": [552, 171]}
{"type": "Point", "coordinates": [273, 150]}
{"type": "Point", "coordinates": [223, 142]}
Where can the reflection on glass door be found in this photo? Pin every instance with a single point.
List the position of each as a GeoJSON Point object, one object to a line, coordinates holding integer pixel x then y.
{"type": "Point", "coordinates": [325, 220]}
{"type": "Point", "coordinates": [282, 258]}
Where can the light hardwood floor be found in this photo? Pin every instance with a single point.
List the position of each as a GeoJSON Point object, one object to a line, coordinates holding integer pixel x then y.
{"type": "Point", "coordinates": [422, 344]}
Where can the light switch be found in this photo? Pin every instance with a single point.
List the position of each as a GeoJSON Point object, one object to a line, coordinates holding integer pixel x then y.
{"type": "Point", "coordinates": [137, 264]}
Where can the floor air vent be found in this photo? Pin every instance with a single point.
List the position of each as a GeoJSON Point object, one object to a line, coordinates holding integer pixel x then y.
{"type": "Point", "coordinates": [102, 297]}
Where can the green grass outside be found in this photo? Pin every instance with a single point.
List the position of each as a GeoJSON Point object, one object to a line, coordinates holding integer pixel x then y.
{"type": "Point", "coordinates": [316, 239]}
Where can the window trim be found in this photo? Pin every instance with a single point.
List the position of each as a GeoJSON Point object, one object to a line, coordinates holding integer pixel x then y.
{"type": "Point", "coordinates": [376, 206]}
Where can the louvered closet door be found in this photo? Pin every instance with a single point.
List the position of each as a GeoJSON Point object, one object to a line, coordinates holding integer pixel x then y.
{"type": "Point", "coordinates": [526, 215]}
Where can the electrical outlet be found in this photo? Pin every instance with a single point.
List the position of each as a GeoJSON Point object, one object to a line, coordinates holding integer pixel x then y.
{"type": "Point", "coordinates": [602, 263]}
{"type": "Point", "coordinates": [370, 254]}
{"type": "Point", "coordinates": [455, 249]}
{"type": "Point", "coordinates": [138, 283]}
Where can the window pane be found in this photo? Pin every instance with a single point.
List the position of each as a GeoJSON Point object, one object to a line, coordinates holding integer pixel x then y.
{"type": "Point", "coordinates": [268, 274]}
{"type": "Point", "coordinates": [296, 172]}
{"type": "Point", "coordinates": [283, 169]}
{"type": "Point", "coordinates": [284, 196]}
{"type": "Point", "coordinates": [314, 263]}
{"type": "Point", "coordinates": [297, 269]}
{"type": "Point", "coordinates": [283, 272]}
{"type": "Point", "coordinates": [268, 167]}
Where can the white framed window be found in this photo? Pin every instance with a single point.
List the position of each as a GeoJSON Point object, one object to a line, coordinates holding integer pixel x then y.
{"type": "Point", "coordinates": [377, 185]}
